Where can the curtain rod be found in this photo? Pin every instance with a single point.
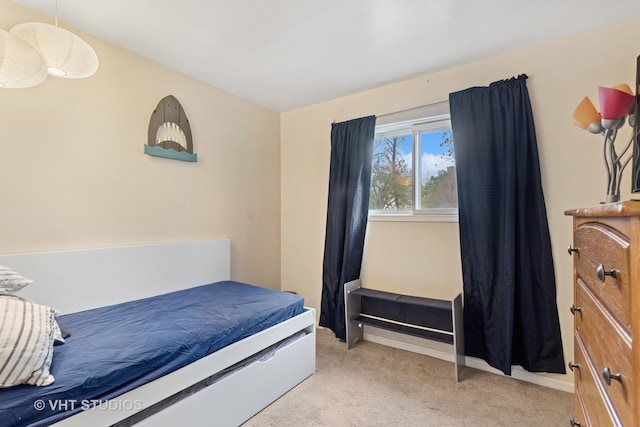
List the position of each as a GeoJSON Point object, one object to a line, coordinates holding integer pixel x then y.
{"type": "Point", "coordinates": [407, 109]}
{"type": "Point", "coordinates": [413, 108]}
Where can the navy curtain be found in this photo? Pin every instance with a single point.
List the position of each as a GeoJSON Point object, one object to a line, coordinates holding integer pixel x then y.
{"type": "Point", "coordinates": [347, 210]}
{"type": "Point", "coordinates": [510, 310]}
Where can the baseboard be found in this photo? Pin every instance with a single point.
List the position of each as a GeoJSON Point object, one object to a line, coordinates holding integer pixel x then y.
{"type": "Point", "coordinates": [444, 352]}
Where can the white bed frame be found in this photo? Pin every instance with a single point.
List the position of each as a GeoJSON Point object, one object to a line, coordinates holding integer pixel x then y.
{"type": "Point", "coordinates": [78, 280]}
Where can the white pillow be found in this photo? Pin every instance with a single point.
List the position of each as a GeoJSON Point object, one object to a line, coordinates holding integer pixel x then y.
{"type": "Point", "coordinates": [26, 342]}
{"type": "Point", "coordinates": [57, 333]}
{"type": "Point", "coordinates": [10, 281]}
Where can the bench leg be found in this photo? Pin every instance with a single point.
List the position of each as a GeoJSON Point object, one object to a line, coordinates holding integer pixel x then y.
{"type": "Point", "coordinates": [458, 335]}
{"type": "Point", "coordinates": [351, 312]}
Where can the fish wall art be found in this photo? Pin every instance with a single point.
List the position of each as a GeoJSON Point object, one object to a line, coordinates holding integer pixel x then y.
{"type": "Point", "coordinates": [169, 132]}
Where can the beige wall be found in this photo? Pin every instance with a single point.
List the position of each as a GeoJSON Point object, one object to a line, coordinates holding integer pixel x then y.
{"type": "Point", "coordinates": [73, 173]}
{"type": "Point", "coordinates": [423, 258]}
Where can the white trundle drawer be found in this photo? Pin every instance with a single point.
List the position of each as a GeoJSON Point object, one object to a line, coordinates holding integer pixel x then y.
{"type": "Point", "coordinates": [237, 397]}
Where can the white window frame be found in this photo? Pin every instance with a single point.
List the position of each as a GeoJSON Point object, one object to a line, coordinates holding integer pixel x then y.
{"type": "Point", "coordinates": [430, 123]}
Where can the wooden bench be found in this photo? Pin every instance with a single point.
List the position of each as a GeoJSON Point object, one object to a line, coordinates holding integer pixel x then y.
{"type": "Point", "coordinates": [428, 318]}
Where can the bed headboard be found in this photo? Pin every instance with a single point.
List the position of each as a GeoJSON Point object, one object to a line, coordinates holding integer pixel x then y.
{"type": "Point", "coordinates": [77, 280]}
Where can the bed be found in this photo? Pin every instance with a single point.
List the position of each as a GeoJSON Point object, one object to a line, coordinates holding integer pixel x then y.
{"type": "Point", "coordinates": [197, 369]}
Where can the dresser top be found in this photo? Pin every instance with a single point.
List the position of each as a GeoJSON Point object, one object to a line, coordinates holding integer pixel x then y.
{"type": "Point", "coordinates": [625, 208]}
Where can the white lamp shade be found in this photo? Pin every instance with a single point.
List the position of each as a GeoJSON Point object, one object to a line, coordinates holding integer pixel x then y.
{"type": "Point", "coordinates": [66, 54]}
{"type": "Point", "coordinates": [21, 65]}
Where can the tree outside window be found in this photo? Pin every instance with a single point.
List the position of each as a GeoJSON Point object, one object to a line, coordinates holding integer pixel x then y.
{"type": "Point", "coordinates": [413, 169]}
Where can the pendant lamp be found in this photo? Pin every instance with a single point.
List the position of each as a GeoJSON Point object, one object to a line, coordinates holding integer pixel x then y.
{"type": "Point", "coordinates": [21, 66]}
{"type": "Point", "coordinates": [65, 54]}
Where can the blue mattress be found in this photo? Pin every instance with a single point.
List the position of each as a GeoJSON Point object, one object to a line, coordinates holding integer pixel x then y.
{"type": "Point", "coordinates": [117, 348]}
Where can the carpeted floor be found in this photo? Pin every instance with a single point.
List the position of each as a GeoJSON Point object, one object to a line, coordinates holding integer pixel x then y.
{"type": "Point", "coordinates": [376, 385]}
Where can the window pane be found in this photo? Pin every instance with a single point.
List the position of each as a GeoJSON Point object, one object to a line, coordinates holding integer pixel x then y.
{"type": "Point", "coordinates": [413, 170]}
{"type": "Point", "coordinates": [437, 170]}
{"type": "Point", "coordinates": [391, 174]}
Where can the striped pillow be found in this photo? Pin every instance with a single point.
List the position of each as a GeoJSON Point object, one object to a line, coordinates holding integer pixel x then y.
{"type": "Point", "coordinates": [26, 342]}
{"type": "Point", "coordinates": [10, 281]}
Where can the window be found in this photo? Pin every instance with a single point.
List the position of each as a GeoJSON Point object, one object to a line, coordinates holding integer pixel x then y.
{"type": "Point", "coordinates": [413, 172]}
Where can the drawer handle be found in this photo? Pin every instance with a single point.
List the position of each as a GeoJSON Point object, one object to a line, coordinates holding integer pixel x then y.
{"type": "Point", "coordinates": [571, 249]}
{"type": "Point", "coordinates": [602, 274]}
{"type": "Point", "coordinates": [573, 309]}
{"type": "Point", "coordinates": [573, 365]}
{"type": "Point", "coordinates": [608, 376]}
{"type": "Point", "coordinates": [574, 423]}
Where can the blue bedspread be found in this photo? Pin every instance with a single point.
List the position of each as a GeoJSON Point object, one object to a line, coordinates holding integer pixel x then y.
{"type": "Point", "coordinates": [117, 348]}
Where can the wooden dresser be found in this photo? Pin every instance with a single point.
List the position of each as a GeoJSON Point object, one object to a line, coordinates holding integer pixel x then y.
{"type": "Point", "coordinates": [606, 309]}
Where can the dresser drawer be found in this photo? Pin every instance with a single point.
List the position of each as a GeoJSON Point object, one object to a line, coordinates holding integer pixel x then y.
{"type": "Point", "coordinates": [603, 247]}
{"type": "Point", "coordinates": [579, 412]}
{"type": "Point", "coordinates": [608, 347]}
{"type": "Point", "coordinates": [588, 399]}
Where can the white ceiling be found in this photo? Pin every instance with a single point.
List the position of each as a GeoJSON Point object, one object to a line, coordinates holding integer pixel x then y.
{"type": "Point", "coordinates": [286, 54]}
